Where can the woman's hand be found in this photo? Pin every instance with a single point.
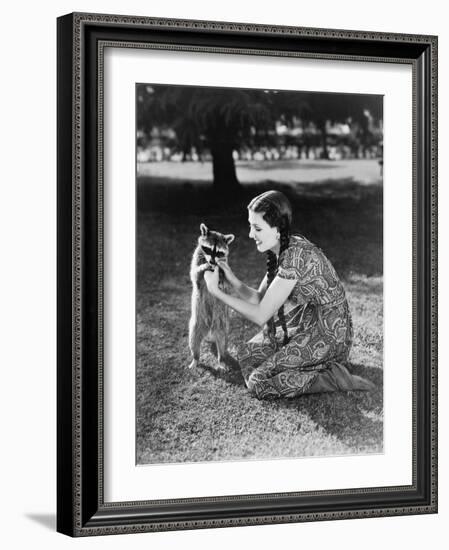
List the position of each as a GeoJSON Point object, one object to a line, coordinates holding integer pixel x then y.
{"type": "Point", "coordinates": [228, 273]}
{"type": "Point", "coordinates": [211, 280]}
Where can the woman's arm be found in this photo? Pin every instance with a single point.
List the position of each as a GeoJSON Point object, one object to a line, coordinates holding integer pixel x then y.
{"type": "Point", "coordinates": [243, 291]}
{"type": "Point", "coordinates": [251, 295]}
{"type": "Point", "coordinates": [260, 313]}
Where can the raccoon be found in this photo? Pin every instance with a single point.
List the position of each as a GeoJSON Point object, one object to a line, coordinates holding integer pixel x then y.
{"type": "Point", "coordinates": [209, 315]}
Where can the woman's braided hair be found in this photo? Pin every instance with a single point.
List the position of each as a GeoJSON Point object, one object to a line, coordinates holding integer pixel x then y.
{"type": "Point", "coordinates": [277, 212]}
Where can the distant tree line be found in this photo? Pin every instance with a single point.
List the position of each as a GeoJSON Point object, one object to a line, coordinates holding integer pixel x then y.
{"type": "Point", "coordinates": [223, 123]}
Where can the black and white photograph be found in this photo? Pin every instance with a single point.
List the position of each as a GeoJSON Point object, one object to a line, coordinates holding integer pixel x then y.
{"type": "Point", "coordinates": [259, 274]}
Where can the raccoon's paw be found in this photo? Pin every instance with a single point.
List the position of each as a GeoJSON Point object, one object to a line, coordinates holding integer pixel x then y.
{"type": "Point", "coordinates": [193, 364]}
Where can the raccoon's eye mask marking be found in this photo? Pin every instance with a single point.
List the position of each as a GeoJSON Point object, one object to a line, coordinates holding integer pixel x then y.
{"type": "Point", "coordinates": [207, 250]}
{"type": "Point", "coordinates": [213, 252]}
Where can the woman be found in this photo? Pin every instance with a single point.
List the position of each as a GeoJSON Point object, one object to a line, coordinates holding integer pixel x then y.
{"type": "Point", "coordinates": [302, 304]}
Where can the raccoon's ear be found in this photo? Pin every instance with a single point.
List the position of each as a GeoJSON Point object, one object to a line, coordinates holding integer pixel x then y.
{"type": "Point", "coordinates": [204, 230]}
{"type": "Point", "coordinates": [229, 238]}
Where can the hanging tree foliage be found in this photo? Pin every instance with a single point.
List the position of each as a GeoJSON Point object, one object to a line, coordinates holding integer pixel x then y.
{"type": "Point", "coordinates": [225, 119]}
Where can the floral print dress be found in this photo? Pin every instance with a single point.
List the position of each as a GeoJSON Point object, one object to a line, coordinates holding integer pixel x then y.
{"type": "Point", "coordinates": [319, 329]}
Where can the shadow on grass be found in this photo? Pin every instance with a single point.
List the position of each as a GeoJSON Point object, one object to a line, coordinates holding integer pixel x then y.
{"type": "Point", "coordinates": [344, 218]}
{"type": "Point", "coordinates": [355, 418]}
{"type": "Point", "coordinates": [231, 375]}
{"type": "Point", "coordinates": [177, 195]}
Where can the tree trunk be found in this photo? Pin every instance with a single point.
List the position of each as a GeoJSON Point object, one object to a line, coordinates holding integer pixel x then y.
{"type": "Point", "coordinates": [225, 177]}
{"type": "Point", "coordinates": [325, 153]}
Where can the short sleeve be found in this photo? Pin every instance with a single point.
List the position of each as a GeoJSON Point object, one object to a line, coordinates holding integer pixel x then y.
{"type": "Point", "coordinates": [291, 264]}
{"type": "Point", "coordinates": [305, 264]}
{"type": "Point", "coordinates": [315, 275]}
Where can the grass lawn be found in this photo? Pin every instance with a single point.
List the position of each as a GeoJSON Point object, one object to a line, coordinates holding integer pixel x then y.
{"type": "Point", "coordinates": [199, 415]}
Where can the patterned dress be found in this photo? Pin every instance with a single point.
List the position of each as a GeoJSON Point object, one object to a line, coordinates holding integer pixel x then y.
{"type": "Point", "coordinates": [319, 328]}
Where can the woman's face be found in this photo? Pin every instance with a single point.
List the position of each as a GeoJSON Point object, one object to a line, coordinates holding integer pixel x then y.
{"type": "Point", "coordinates": [266, 237]}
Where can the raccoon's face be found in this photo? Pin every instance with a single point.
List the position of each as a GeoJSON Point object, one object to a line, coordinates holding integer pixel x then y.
{"type": "Point", "coordinates": [214, 246]}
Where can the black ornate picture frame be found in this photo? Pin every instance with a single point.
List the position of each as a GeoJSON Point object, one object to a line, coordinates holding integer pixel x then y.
{"type": "Point", "coordinates": [81, 507]}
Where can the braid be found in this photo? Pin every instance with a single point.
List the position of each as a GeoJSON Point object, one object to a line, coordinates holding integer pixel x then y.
{"type": "Point", "coordinates": [272, 265]}
{"type": "Point", "coordinates": [284, 240]}
{"type": "Point", "coordinates": [277, 212]}
{"type": "Point", "coordinates": [271, 272]}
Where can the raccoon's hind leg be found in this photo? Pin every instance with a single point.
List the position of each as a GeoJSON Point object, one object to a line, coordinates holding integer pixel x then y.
{"type": "Point", "coordinates": [221, 341]}
{"type": "Point", "coordinates": [197, 332]}
{"type": "Point", "coordinates": [220, 331]}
